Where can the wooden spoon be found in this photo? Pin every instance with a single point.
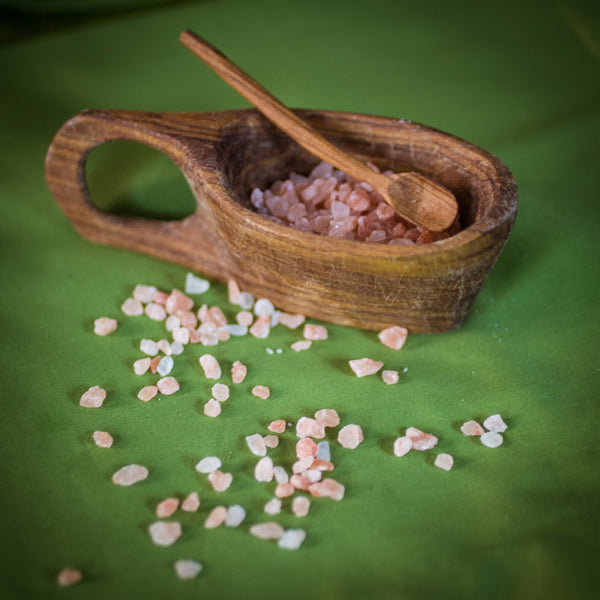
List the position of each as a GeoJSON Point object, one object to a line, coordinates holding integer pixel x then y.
{"type": "Point", "coordinates": [414, 196]}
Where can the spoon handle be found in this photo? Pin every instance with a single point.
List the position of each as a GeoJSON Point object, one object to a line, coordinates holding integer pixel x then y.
{"type": "Point", "coordinates": [429, 203]}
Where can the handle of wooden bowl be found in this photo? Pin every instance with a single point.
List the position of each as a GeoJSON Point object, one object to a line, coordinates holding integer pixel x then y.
{"type": "Point", "coordinates": [187, 138]}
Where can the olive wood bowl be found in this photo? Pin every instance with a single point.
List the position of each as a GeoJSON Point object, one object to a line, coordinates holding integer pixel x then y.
{"type": "Point", "coordinates": [426, 288]}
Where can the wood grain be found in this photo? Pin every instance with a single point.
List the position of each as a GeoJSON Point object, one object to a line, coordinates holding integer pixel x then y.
{"type": "Point", "coordinates": [427, 288]}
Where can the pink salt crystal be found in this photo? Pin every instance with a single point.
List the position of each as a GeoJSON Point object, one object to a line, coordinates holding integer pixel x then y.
{"type": "Point", "coordinates": [393, 337]}
{"type": "Point", "coordinates": [147, 393]}
{"type": "Point", "coordinates": [350, 436]}
{"type": "Point", "coordinates": [187, 569]}
{"type": "Point", "coordinates": [267, 531]}
{"type": "Point", "coordinates": [306, 447]}
{"type": "Point", "coordinates": [256, 444]}
{"type": "Point", "coordinates": [160, 298]}
{"type": "Point", "coordinates": [300, 482]}
{"type": "Point", "coordinates": [261, 327]}
{"type": "Point", "coordinates": [208, 464]}
{"type": "Point", "coordinates": [284, 489]}
{"type": "Point", "coordinates": [302, 464]}
{"type": "Point", "coordinates": [102, 439]}
{"type": "Point", "coordinates": [315, 332]}
{"type": "Point", "coordinates": [420, 439]}
{"type": "Point", "coordinates": [238, 372]}
{"type": "Point", "coordinates": [233, 289]}
{"type": "Point", "coordinates": [129, 475]}
{"type": "Point", "coordinates": [167, 507]}
{"type": "Point", "coordinates": [164, 346]}
{"type": "Point", "coordinates": [141, 365]}
{"type": "Point", "coordinates": [216, 517]}
{"type": "Point", "coordinates": [154, 364]}
{"type": "Point", "coordinates": [132, 307]}
{"type": "Point", "coordinates": [376, 236]}
{"type": "Point", "coordinates": [329, 488]}
{"type": "Point", "coordinates": [444, 461]}
{"type": "Point", "coordinates": [307, 427]}
{"type": "Point", "coordinates": [93, 398]}
{"type": "Point", "coordinates": [144, 293]}
{"type": "Point", "coordinates": [191, 503]}
{"type": "Point", "coordinates": [165, 533]}
{"type": "Point", "coordinates": [181, 335]}
{"type": "Point", "coordinates": [321, 465]}
{"type": "Point", "coordinates": [186, 318]}
{"type": "Point", "coordinates": [402, 446]}
{"type": "Point", "coordinates": [328, 417]}
{"type": "Point", "coordinates": [271, 441]}
{"type": "Point", "coordinates": [222, 334]}
{"type": "Point", "coordinates": [384, 211]}
{"type": "Point", "coordinates": [263, 471]}
{"type": "Point", "coordinates": [104, 326]}
{"type": "Point", "coordinates": [365, 366]}
{"type": "Point", "coordinates": [220, 481]}
{"type": "Point", "coordinates": [220, 392]}
{"type": "Point", "coordinates": [178, 301]}
{"type": "Point", "coordinates": [244, 317]}
{"type": "Point", "coordinates": [472, 428]}
{"type": "Point", "coordinates": [300, 506]}
{"type": "Point", "coordinates": [216, 316]}
{"type": "Point", "coordinates": [390, 377]}
{"type": "Point", "coordinates": [495, 423]}
{"type": "Point", "coordinates": [68, 577]}
{"type": "Point", "coordinates": [212, 408]}
{"type": "Point", "coordinates": [212, 369]}
{"type": "Point", "coordinates": [301, 345]}
{"type": "Point", "coordinates": [261, 391]}
{"type": "Point", "coordinates": [156, 312]}
{"type": "Point", "coordinates": [167, 385]}
{"type": "Point", "coordinates": [313, 475]}
{"type": "Point", "coordinates": [277, 426]}
{"type": "Point", "coordinates": [273, 506]}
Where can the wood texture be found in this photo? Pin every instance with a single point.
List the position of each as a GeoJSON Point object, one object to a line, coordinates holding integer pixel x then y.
{"type": "Point", "coordinates": [415, 197]}
{"type": "Point", "coordinates": [426, 288]}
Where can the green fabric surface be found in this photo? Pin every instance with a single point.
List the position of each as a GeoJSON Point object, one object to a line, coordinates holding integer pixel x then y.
{"type": "Point", "coordinates": [520, 521]}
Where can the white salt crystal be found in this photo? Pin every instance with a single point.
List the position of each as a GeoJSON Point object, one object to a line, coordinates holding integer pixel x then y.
{"type": "Point", "coordinates": [187, 569]}
{"type": "Point", "coordinates": [212, 408]}
{"type": "Point", "coordinates": [208, 464]}
{"type": "Point", "coordinates": [132, 307]}
{"type": "Point", "coordinates": [149, 347]}
{"type": "Point", "coordinates": [156, 312]}
{"type": "Point", "coordinates": [68, 577]}
{"type": "Point", "coordinates": [144, 293]}
{"type": "Point", "coordinates": [164, 533]}
{"type": "Point", "coordinates": [245, 300]}
{"type": "Point", "coordinates": [492, 439]}
{"type": "Point", "coordinates": [300, 506]}
{"type": "Point", "coordinates": [256, 444]}
{"type": "Point", "coordinates": [129, 475]}
{"type": "Point", "coordinates": [292, 539]}
{"type": "Point", "coordinates": [235, 515]}
{"type": "Point", "coordinates": [220, 392]}
{"type": "Point", "coordinates": [181, 335]}
{"type": "Point", "coordinates": [210, 365]}
{"type": "Point", "coordinates": [263, 307]}
{"type": "Point", "coordinates": [350, 436]}
{"type": "Point", "coordinates": [236, 329]}
{"type": "Point", "coordinates": [165, 366]}
{"type": "Point", "coordinates": [280, 475]}
{"type": "Point", "coordinates": [444, 461]}
{"type": "Point", "coordinates": [301, 345]}
{"type": "Point", "coordinates": [263, 471]}
{"type": "Point", "coordinates": [323, 450]}
{"type": "Point", "coordinates": [402, 445]}
{"type": "Point", "coordinates": [195, 285]}
{"type": "Point", "coordinates": [176, 348]}
{"type": "Point", "coordinates": [495, 423]}
{"type": "Point", "coordinates": [273, 506]}
{"type": "Point", "coordinates": [172, 323]}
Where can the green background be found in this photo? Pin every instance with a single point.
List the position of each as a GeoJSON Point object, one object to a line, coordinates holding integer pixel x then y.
{"type": "Point", "coordinates": [520, 79]}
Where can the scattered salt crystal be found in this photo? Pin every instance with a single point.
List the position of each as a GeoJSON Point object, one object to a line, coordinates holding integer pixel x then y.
{"type": "Point", "coordinates": [167, 385]}
{"type": "Point", "coordinates": [244, 318]}
{"type": "Point", "coordinates": [261, 327]}
{"type": "Point", "coordinates": [390, 377]}
{"type": "Point", "coordinates": [141, 365]}
{"type": "Point", "coordinates": [164, 347]}
{"type": "Point", "coordinates": [300, 482]}
{"type": "Point", "coordinates": [300, 506]}
{"type": "Point", "coordinates": [263, 308]}
{"type": "Point", "coordinates": [365, 366]}
{"type": "Point", "coordinates": [235, 515]}
{"type": "Point", "coordinates": [472, 428]}
{"type": "Point", "coordinates": [328, 417]}
{"type": "Point", "coordinates": [237, 330]}
{"type": "Point", "coordinates": [187, 569]}
{"type": "Point", "coordinates": [238, 372]}
{"type": "Point", "coordinates": [263, 471]}
{"type": "Point", "coordinates": [172, 323]}
{"type": "Point", "coordinates": [191, 503]}
{"type": "Point", "coordinates": [147, 393]}
{"type": "Point", "coordinates": [160, 298]}
{"type": "Point", "coordinates": [93, 398]}
{"type": "Point", "coordinates": [284, 489]}
{"type": "Point", "coordinates": [68, 577]}
{"type": "Point", "coordinates": [212, 369]}
{"type": "Point", "coordinates": [245, 300]}
{"type": "Point", "coordinates": [315, 332]}
{"type": "Point", "coordinates": [306, 447]}
{"type": "Point", "coordinates": [302, 464]}
{"type": "Point", "coordinates": [495, 423]}
{"type": "Point", "coordinates": [156, 312]}
{"type": "Point", "coordinates": [323, 451]}
{"type": "Point", "coordinates": [420, 439]}
{"type": "Point", "coordinates": [402, 445]}
{"type": "Point", "coordinates": [233, 291]}
{"type": "Point", "coordinates": [216, 316]}
{"type": "Point", "coordinates": [393, 337]}
{"type": "Point", "coordinates": [256, 444]}
{"type": "Point", "coordinates": [277, 426]}
{"type": "Point", "coordinates": [492, 439]}
{"type": "Point", "coordinates": [102, 439]}
{"type": "Point", "coordinates": [269, 350]}
{"type": "Point", "coordinates": [154, 364]}
{"type": "Point", "coordinates": [176, 348]}
{"type": "Point", "coordinates": [178, 301]}
{"type": "Point", "coordinates": [212, 408]}
{"type": "Point", "coordinates": [261, 391]}
{"type": "Point", "coordinates": [165, 366]}
{"type": "Point", "coordinates": [301, 345]}
{"type": "Point", "coordinates": [267, 531]}
{"type": "Point", "coordinates": [321, 464]}
{"type": "Point", "coordinates": [329, 488]}
{"type": "Point", "coordinates": [350, 436]}
{"type": "Point", "coordinates": [195, 285]}
{"type": "Point", "coordinates": [165, 533]}
{"type": "Point", "coordinates": [104, 326]}
{"type": "Point", "coordinates": [220, 481]}
{"type": "Point", "coordinates": [216, 517]}
{"type": "Point", "coordinates": [181, 335]}
{"type": "Point", "coordinates": [291, 321]}
{"type": "Point", "coordinates": [273, 506]}
{"type": "Point", "coordinates": [271, 441]}
{"type": "Point", "coordinates": [129, 475]}
{"type": "Point", "coordinates": [167, 508]}
{"type": "Point", "coordinates": [144, 293]}
{"type": "Point", "coordinates": [280, 475]}
{"type": "Point", "coordinates": [312, 475]}
{"type": "Point", "coordinates": [149, 347]}
{"type": "Point", "coordinates": [307, 427]}
{"type": "Point", "coordinates": [208, 464]}
{"type": "Point", "coordinates": [444, 461]}
{"type": "Point", "coordinates": [132, 307]}
{"type": "Point", "coordinates": [220, 392]}
{"type": "Point", "coordinates": [292, 539]}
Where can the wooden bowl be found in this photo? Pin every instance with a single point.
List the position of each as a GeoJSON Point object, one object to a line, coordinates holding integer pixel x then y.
{"type": "Point", "coordinates": [426, 288]}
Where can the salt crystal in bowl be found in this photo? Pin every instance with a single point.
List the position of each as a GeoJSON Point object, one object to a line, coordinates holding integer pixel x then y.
{"type": "Point", "coordinates": [224, 155]}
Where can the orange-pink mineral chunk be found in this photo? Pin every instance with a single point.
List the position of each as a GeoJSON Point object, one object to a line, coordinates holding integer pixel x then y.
{"type": "Point", "coordinates": [291, 321]}
{"type": "Point", "coordinates": [167, 385]}
{"type": "Point", "coordinates": [167, 507]}
{"type": "Point", "coordinates": [307, 427]}
{"type": "Point", "coordinates": [178, 301]}
{"type": "Point", "coordinates": [444, 461]}
{"type": "Point", "coordinates": [284, 489]}
{"type": "Point", "coordinates": [261, 327]}
{"type": "Point", "coordinates": [104, 326]}
{"type": "Point", "coordinates": [472, 428]}
{"type": "Point", "coordinates": [130, 475]}
{"type": "Point", "coordinates": [420, 439]}
{"type": "Point", "coordinates": [300, 506]}
{"type": "Point", "coordinates": [314, 332]}
{"type": "Point", "coordinates": [306, 447]}
{"type": "Point", "coordinates": [267, 531]}
{"type": "Point", "coordinates": [165, 533]}
{"type": "Point", "coordinates": [402, 445]}
{"type": "Point", "coordinates": [393, 337]}
{"type": "Point", "coordinates": [277, 426]}
{"type": "Point", "coordinates": [245, 317]}
{"type": "Point", "coordinates": [147, 393]}
{"type": "Point", "coordinates": [210, 365]}
{"type": "Point", "coordinates": [301, 345]}
{"type": "Point", "coordinates": [350, 436]}
{"type": "Point", "coordinates": [271, 441]}
{"type": "Point", "coordinates": [390, 377]}
{"type": "Point", "coordinates": [261, 391]}
{"type": "Point", "coordinates": [191, 502]}
{"type": "Point", "coordinates": [144, 293]}
{"type": "Point", "coordinates": [68, 577]}
{"type": "Point", "coordinates": [365, 366]}
{"type": "Point", "coordinates": [141, 365]}
{"type": "Point", "coordinates": [212, 408]}
{"type": "Point", "coordinates": [102, 439]}
{"type": "Point", "coordinates": [238, 372]}
{"type": "Point", "coordinates": [93, 398]}
{"type": "Point", "coordinates": [328, 417]}
{"type": "Point", "coordinates": [216, 517]}
{"type": "Point", "coordinates": [233, 291]}
{"type": "Point", "coordinates": [329, 488]}
{"type": "Point", "coordinates": [220, 481]}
